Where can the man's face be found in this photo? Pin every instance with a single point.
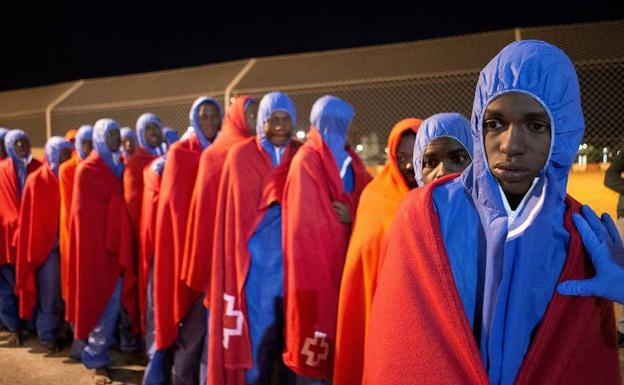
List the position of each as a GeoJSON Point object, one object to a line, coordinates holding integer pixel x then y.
{"type": "Point", "coordinates": [65, 155]}
{"type": "Point", "coordinates": [444, 156]}
{"type": "Point", "coordinates": [153, 135]}
{"type": "Point", "coordinates": [113, 140]}
{"type": "Point", "coordinates": [517, 134]}
{"type": "Point", "coordinates": [86, 146]}
{"type": "Point", "coordinates": [209, 119]}
{"type": "Point", "coordinates": [22, 147]}
{"type": "Point", "coordinates": [251, 114]}
{"type": "Point", "coordinates": [404, 155]}
{"type": "Point", "coordinates": [278, 128]}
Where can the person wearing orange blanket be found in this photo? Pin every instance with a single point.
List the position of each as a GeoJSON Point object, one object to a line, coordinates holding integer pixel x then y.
{"type": "Point", "coordinates": [102, 275]}
{"type": "Point", "coordinates": [376, 210]}
{"type": "Point", "coordinates": [13, 172]}
{"type": "Point", "coordinates": [38, 275]}
{"type": "Point", "coordinates": [472, 262]}
{"type": "Point", "coordinates": [321, 195]}
{"type": "Point", "coordinates": [175, 303]}
{"type": "Point", "coordinates": [70, 136]}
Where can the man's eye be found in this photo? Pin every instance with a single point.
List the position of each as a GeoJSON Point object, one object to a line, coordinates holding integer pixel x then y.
{"type": "Point", "coordinates": [492, 125]}
{"type": "Point", "coordinates": [538, 127]}
{"type": "Point", "coordinates": [460, 159]}
{"type": "Point", "coordinates": [429, 163]}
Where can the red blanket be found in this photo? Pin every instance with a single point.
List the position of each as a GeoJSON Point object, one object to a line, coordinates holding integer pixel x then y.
{"type": "Point", "coordinates": [101, 247]}
{"type": "Point", "coordinates": [9, 208]}
{"type": "Point", "coordinates": [133, 185]}
{"type": "Point", "coordinates": [147, 231]}
{"type": "Point", "coordinates": [315, 244]}
{"type": "Point", "coordinates": [248, 185]}
{"type": "Point", "coordinates": [67, 173]}
{"type": "Point", "coordinates": [172, 298]}
{"type": "Point", "coordinates": [196, 263]}
{"type": "Point", "coordinates": [419, 331]}
{"type": "Point", "coordinates": [38, 232]}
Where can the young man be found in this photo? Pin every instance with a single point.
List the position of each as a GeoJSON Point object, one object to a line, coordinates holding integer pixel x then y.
{"type": "Point", "coordinates": [129, 143]}
{"type": "Point", "coordinates": [463, 252]}
{"type": "Point", "coordinates": [175, 303]}
{"type": "Point", "coordinates": [13, 172]}
{"type": "Point", "coordinates": [38, 275]}
{"type": "Point", "coordinates": [102, 274]}
{"type": "Point", "coordinates": [67, 171]}
{"type": "Point", "coordinates": [246, 274]}
{"type": "Point", "coordinates": [320, 199]}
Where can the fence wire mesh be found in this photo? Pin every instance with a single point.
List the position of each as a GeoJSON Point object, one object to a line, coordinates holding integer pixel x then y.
{"type": "Point", "coordinates": [384, 84]}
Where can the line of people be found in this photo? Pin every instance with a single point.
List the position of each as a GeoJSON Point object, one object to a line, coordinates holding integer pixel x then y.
{"type": "Point", "coordinates": [242, 256]}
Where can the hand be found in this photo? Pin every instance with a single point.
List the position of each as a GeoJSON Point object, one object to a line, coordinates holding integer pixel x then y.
{"type": "Point", "coordinates": [603, 243]}
{"type": "Point", "coordinates": [342, 210]}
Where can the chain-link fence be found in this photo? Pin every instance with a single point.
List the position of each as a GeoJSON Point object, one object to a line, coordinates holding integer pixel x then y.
{"type": "Point", "coordinates": [384, 84]}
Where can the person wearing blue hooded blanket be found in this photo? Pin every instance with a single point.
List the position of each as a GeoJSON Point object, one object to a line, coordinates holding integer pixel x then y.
{"type": "Point", "coordinates": [13, 172]}
{"type": "Point", "coordinates": [179, 315]}
{"type": "Point", "coordinates": [472, 262]}
{"type": "Point", "coordinates": [246, 283]}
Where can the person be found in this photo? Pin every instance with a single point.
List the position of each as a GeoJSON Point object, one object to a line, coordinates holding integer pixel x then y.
{"type": "Point", "coordinates": [38, 275]}
{"type": "Point", "coordinates": [102, 278]}
{"type": "Point", "coordinates": [321, 195]}
{"type": "Point", "coordinates": [129, 143]}
{"type": "Point", "coordinates": [13, 172]}
{"type": "Point", "coordinates": [462, 251]}
{"type": "Point", "coordinates": [3, 153]}
{"type": "Point", "coordinates": [70, 136]}
{"type": "Point", "coordinates": [171, 135]}
{"type": "Point", "coordinates": [613, 180]}
{"type": "Point", "coordinates": [245, 282]}
{"type": "Point", "coordinates": [175, 303]}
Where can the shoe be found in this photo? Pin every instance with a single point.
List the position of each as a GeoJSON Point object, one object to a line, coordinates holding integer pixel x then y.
{"type": "Point", "coordinates": [101, 376]}
{"type": "Point", "coordinates": [51, 346]}
{"type": "Point", "coordinates": [620, 336]}
{"type": "Point", "coordinates": [15, 339]}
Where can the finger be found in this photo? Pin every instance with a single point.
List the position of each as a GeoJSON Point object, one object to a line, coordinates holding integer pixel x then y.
{"type": "Point", "coordinates": [594, 222]}
{"type": "Point", "coordinates": [583, 288]}
{"type": "Point", "coordinates": [612, 229]}
{"type": "Point", "coordinates": [590, 241]}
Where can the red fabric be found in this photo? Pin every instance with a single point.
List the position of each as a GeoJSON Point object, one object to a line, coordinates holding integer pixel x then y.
{"type": "Point", "coordinates": [133, 185]}
{"type": "Point", "coordinates": [419, 331]}
{"type": "Point", "coordinates": [248, 185]}
{"type": "Point", "coordinates": [315, 244]}
{"type": "Point", "coordinates": [196, 261]}
{"type": "Point", "coordinates": [149, 205]}
{"type": "Point", "coordinates": [101, 247]}
{"type": "Point", "coordinates": [376, 210]}
{"type": "Point", "coordinates": [172, 298]}
{"type": "Point", "coordinates": [38, 232]}
{"type": "Point", "coordinates": [9, 208]}
{"type": "Point", "coordinates": [67, 172]}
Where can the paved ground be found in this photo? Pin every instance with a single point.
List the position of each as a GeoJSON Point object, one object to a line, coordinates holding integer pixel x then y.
{"type": "Point", "coordinates": [30, 364]}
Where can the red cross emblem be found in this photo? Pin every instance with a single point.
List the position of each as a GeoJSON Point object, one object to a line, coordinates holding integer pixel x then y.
{"type": "Point", "coordinates": [315, 349]}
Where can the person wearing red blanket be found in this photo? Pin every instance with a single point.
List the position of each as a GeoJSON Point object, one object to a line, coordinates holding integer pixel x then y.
{"type": "Point", "coordinates": [246, 276]}
{"type": "Point", "coordinates": [471, 262]}
{"type": "Point", "coordinates": [321, 195]}
{"type": "Point", "coordinates": [129, 143]}
{"type": "Point", "coordinates": [176, 303]}
{"type": "Point", "coordinates": [3, 152]}
{"type": "Point", "coordinates": [102, 276]}
{"type": "Point", "coordinates": [13, 172]}
{"type": "Point", "coordinates": [38, 275]}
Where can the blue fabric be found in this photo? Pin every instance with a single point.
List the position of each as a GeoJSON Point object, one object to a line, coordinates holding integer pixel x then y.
{"type": "Point", "coordinates": [507, 277]}
{"type": "Point", "coordinates": [270, 103]}
{"type": "Point", "coordinates": [110, 158]}
{"type": "Point", "coordinates": [189, 345]}
{"type": "Point", "coordinates": [348, 180]}
{"type": "Point", "coordinates": [53, 149]}
{"type": "Point", "coordinates": [158, 165]}
{"type": "Point", "coordinates": [8, 300]}
{"type": "Point", "coordinates": [445, 124]}
{"type": "Point", "coordinates": [332, 116]}
{"type": "Point", "coordinates": [171, 135]}
{"type": "Point", "coordinates": [264, 292]}
{"type": "Point", "coordinates": [84, 133]}
{"type": "Point", "coordinates": [127, 133]}
{"type": "Point", "coordinates": [194, 118]}
{"type": "Point", "coordinates": [49, 302]}
{"type": "Point", "coordinates": [102, 337]}
{"type": "Point", "coordinates": [20, 164]}
{"type": "Point", "coordinates": [159, 365]}
{"type": "Point", "coordinates": [141, 124]}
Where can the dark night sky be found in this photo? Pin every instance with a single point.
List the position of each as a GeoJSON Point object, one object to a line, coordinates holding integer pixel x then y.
{"type": "Point", "coordinates": [44, 43]}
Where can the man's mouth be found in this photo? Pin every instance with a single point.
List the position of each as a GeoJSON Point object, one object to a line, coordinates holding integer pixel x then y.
{"type": "Point", "coordinates": [511, 172]}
